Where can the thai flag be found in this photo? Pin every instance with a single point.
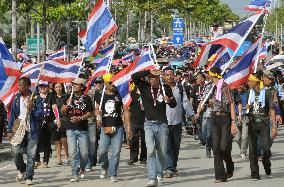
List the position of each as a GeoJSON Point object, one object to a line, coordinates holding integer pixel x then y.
{"type": "Point", "coordinates": [239, 73]}
{"type": "Point", "coordinates": [60, 71]}
{"type": "Point", "coordinates": [101, 69]}
{"type": "Point", "coordinates": [206, 52]}
{"type": "Point", "coordinates": [122, 79]}
{"type": "Point", "coordinates": [221, 59]}
{"type": "Point", "coordinates": [263, 51]}
{"type": "Point", "coordinates": [127, 58]}
{"type": "Point", "coordinates": [100, 25]}
{"type": "Point", "coordinates": [232, 39]}
{"type": "Point", "coordinates": [10, 74]}
{"type": "Point", "coordinates": [60, 54]}
{"type": "Point", "coordinates": [259, 5]}
{"type": "Point", "coordinates": [32, 72]}
{"type": "Point", "coordinates": [102, 53]}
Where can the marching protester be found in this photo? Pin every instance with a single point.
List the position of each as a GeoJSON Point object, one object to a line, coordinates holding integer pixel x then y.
{"type": "Point", "coordinates": [155, 96]}
{"type": "Point", "coordinates": [47, 126]}
{"type": "Point", "coordinates": [242, 135]}
{"type": "Point", "coordinates": [261, 111]}
{"type": "Point", "coordinates": [94, 93]}
{"type": "Point", "coordinates": [223, 119]}
{"type": "Point", "coordinates": [137, 119]}
{"type": "Point", "coordinates": [77, 109]}
{"type": "Point", "coordinates": [206, 118]}
{"type": "Point", "coordinates": [59, 134]}
{"type": "Point", "coordinates": [195, 98]}
{"type": "Point", "coordinates": [109, 118]}
{"type": "Point", "coordinates": [23, 129]}
{"type": "Point", "coordinates": [174, 117]}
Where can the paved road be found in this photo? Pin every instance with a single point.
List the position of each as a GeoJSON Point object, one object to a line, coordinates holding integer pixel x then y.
{"type": "Point", "coordinates": [194, 168]}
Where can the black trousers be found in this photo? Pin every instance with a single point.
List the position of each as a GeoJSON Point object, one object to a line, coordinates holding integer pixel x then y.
{"type": "Point", "coordinates": [174, 139]}
{"type": "Point", "coordinates": [258, 130]}
{"type": "Point", "coordinates": [1, 130]}
{"type": "Point", "coordinates": [44, 144]}
{"type": "Point", "coordinates": [222, 145]}
{"type": "Point", "coordinates": [138, 131]}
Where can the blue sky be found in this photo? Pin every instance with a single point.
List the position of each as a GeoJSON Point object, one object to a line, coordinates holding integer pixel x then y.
{"type": "Point", "coordinates": [238, 6]}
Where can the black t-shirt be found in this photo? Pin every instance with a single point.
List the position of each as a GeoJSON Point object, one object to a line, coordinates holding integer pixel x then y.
{"type": "Point", "coordinates": [79, 107]}
{"type": "Point", "coordinates": [257, 109]}
{"type": "Point", "coordinates": [112, 110]}
{"type": "Point", "coordinates": [47, 102]}
{"type": "Point", "coordinates": [60, 101]}
{"type": "Point", "coordinates": [153, 100]}
{"type": "Point", "coordinates": [136, 109]}
{"type": "Point", "coordinates": [196, 94]}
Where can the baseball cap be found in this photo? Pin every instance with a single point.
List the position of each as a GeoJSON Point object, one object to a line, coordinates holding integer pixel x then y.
{"type": "Point", "coordinates": [268, 74]}
{"type": "Point", "coordinates": [79, 81]}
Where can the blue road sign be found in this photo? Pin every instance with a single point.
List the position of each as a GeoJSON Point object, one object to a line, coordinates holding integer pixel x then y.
{"type": "Point", "coordinates": [178, 39]}
{"type": "Point", "coordinates": [178, 23]}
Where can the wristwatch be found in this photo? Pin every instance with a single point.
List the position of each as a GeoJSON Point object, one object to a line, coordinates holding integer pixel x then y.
{"type": "Point", "coordinates": [99, 118]}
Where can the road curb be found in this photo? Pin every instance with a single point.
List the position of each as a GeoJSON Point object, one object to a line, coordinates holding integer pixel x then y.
{"type": "Point", "coordinates": [6, 154]}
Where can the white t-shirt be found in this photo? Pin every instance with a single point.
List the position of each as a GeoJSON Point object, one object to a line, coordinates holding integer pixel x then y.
{"type": "Point", "coordinates": [24, 110]}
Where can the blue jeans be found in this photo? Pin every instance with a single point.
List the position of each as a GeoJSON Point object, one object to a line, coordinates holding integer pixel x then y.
{"type": "Point", "coordinates": [28, 145]}
{"type": "Point", "coordinates": [92, 145]}
{"type": "Point", "coordinates": [207, 132]}
{"type": "Point", "coordinates": [113, 142]}
{"type": "Point", "coordinates": [156, 137]}
{"type": "Point", "coordinates": [82, 137]}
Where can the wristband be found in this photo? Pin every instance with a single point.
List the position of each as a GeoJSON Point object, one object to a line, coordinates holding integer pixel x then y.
{"type": "Point", "coordinates": [277, 109]}
{"type": "Point", "coordinates": [99, 118]}
{"type": "Point", "coordinates": [81, 118]}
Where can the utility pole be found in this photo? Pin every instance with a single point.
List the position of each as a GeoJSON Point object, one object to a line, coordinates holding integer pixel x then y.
{"type": "Point", "coordinates": [152, 28]}
{"type": "Point", "coordinates": [14, 29]}
{"type": "Point", "coordinates": [38, 41]}
{"type": "Point", "coordinates": [139, 30]}
{"type": "Point", "coordinates": [127, 26]}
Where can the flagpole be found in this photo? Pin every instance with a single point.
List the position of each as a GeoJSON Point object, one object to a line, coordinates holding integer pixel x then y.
{"type": "Point", "coordinates": [38, 78]}
{"type": "Point", "coordinates": [108, 70]}
{"type": "Point", "coordinates": [231, 60]}
{"type": "Point", "coordinates": [78, 73]}
{"type": "Point", "coordinates": [64, 53]}
{"type": "Point", "coordinates": [262, 33]}
{"type": "Point", "coordinates": [157, 66]}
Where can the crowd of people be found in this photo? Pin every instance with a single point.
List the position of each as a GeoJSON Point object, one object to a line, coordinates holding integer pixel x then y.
{"type": "Point", "coordinates": [165, 103]}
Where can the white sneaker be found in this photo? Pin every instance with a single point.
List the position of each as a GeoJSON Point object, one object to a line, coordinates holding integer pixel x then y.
{"type": "Point", "coordinates": [21, 176]}
{"type": "Point", "coordinates": [243, 156]}
{"type": "Point", "coordinates": [29, 182]}
{"type": "Point", "coordinates": [113, 179]}
{"type": "Point", "coordinates": [151, 183]}
{"type": "Point", "coordinates": [75, 179]}
{"type": "Point", "coordinates": [82, 175]}
{"type": "Point", "coordinates": [103, 174]}
{"type": "Point", "coordinates": [160, 180]}
{"type": "Point", "coordinates": [88, 170]}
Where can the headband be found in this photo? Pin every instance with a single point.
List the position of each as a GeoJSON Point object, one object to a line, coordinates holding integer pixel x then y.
{"type": "Point", "coordinates": [255, 79]}
{"type": "Point", "coordinates": [214, 75]}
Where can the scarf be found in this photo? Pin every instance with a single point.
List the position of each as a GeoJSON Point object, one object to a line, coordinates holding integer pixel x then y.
{"type": "Point", "coordinates": [219, 90]}
{"type": "Point", "coordinates": [261, 97]}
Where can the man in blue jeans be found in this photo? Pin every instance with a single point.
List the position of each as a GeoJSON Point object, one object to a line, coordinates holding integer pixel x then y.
{"type": "Point", "coordinates": [155, 96]}
{"type": "Point", "coordinates": [78, 109]}
{"type": "Point", "coordinates": [109, 118]}
{"type": "Point", "coordinates": [28, 111]}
